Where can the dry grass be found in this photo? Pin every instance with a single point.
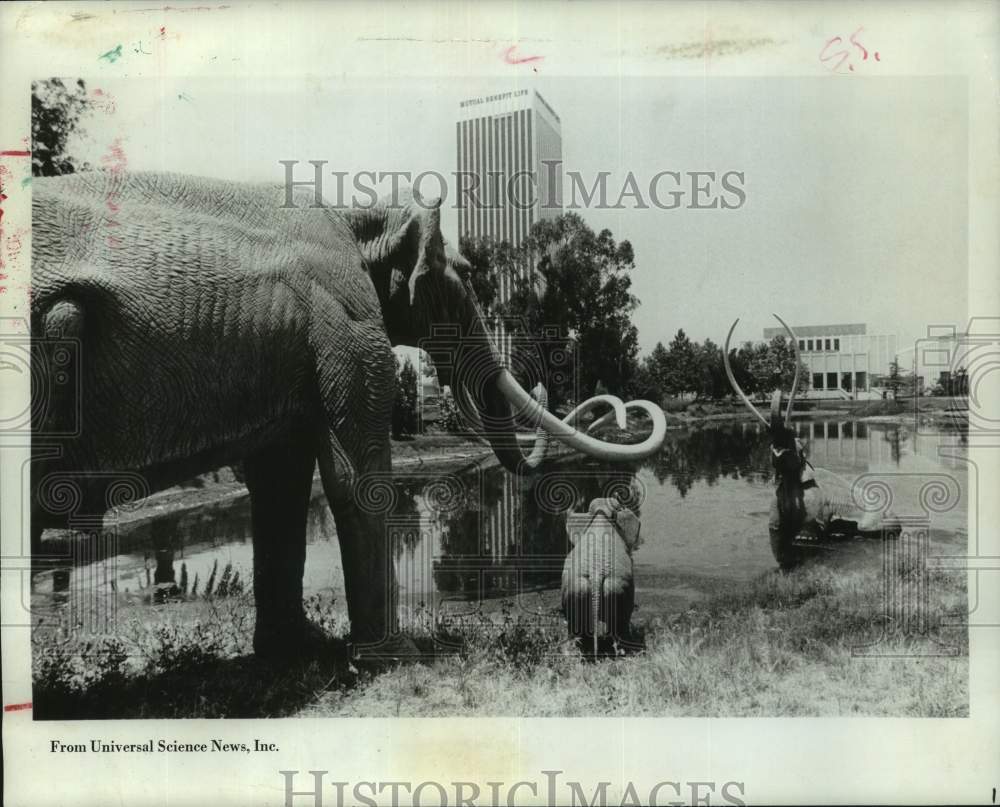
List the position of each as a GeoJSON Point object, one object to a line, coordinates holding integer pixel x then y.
{"type": "Point", "coordinates": [785, 645]}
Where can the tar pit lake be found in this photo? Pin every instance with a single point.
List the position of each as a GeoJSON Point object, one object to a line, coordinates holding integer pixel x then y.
{"type": "Point", "coordinates": [468, 538]}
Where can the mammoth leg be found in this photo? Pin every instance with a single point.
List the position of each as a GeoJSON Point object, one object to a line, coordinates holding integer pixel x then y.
{"type": "Point", "coordinates": [279, 478]}
{"type": "Point", "coordinates": [619, 602]}
{"type": "Point", "coordinates": [369, 576]}
{"type": "Point", "coordinates": [356, 384]}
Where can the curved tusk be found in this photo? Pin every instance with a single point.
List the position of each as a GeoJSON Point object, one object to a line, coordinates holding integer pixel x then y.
{"type": "Point", "coordinates": [732, 378]}
{"type": "Point", "coordinates": [617, 413]}
{"type": "Point", "coordinates": [798, 366]}
{"type": "Point", "coordinates": [606, 418]}
{"type": "Point", "coordinates": [616, 404]}
{"type": "Point", "coordinates": [601, 421]}
{"type": "Point", "coordinates": [566, 433]}
{"type": "Point", "coordinates": [775, 405]}
{"type": "Point", "coordinates": [539, 440]}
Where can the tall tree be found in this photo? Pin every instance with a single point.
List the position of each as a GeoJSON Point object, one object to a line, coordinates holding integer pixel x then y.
{"type": "Point", "coordinates": [682, 365]}
{"type": "Point", "coordinates": [712, 381]}
{"type": "Point", "coordinates": [650, 382]}
{"type": "Point", "coordinates": [56, 113]}
{"type": "Point", "coordinates": [772, 365]}
{"type": "Point", "coordinates": [569, 294]}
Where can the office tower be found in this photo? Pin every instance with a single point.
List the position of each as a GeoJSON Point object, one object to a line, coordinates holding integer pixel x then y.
{"type": "Point", "coordinates": [510, 167]}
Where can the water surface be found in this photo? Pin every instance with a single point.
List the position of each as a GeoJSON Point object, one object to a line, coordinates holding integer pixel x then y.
{"type": "Point", "coordinates": [469, 539]}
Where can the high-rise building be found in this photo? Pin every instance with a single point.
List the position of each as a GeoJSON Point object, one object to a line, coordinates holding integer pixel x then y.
{"type": "Point", "coordinates": [510, 167]}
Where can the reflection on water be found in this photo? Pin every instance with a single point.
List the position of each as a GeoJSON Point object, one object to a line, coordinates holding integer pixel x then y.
{"type": "Point", "coordinates": [459, 538]}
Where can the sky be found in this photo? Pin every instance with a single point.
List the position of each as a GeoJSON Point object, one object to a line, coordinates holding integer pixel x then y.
{"type": "Point", "coordinates": [856, 190]}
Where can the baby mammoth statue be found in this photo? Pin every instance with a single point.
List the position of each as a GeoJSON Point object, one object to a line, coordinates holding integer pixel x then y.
{"type": "Point", "coordinates": [597, 582]}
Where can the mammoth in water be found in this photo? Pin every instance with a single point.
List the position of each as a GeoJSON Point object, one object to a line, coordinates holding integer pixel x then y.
{"type": "Point", "coordinates": [810, 503]}
{"type": "Point", "coordinates": [214, 323]}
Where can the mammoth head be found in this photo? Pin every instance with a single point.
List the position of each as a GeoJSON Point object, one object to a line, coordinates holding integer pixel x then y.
{"type": "Point", "coordinates": [787, 455]}
{"type": "Point", "coordinates": [418, 277]}
{"type": "Point", "coordinates": [626, 522]}
{"type": "Point", "coordinates": [427, 301]}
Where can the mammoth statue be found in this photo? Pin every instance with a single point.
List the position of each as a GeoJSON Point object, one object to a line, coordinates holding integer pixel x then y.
{"type": "Point", "coordinates": [214, 322]}
{"type": "Point", "coordinates": [597, 580]}
{"type": "Point", "coordinates": [810, 504]}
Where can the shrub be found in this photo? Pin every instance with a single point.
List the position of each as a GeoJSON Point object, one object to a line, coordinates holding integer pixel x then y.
{"type": "Point", "coordinates": [405, 417]}
{"type": "Point", "coordinates": [673, 405]}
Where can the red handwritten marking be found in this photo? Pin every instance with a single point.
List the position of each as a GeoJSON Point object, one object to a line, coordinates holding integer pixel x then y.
{"type": "Point", "coordinates": [17, 707]}
{"type": "Point", "coordinates": [844, 56]}
{"type": "Point", "coordinates": [115, 161]}
{"type": "Point", "coordinates": [163, 30]}
{"type": "Point", "coordinates": [857, 44]}
{"type": "Point", "coordinates": [15, 153]}
{"type": "Point", "coordinates": [510, 58]}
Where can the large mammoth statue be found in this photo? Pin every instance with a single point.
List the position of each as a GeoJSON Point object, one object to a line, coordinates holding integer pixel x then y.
{"type": "Point", "coordinates": [212, 323]}
{"type": "Point", "coordinates": [810, 504]}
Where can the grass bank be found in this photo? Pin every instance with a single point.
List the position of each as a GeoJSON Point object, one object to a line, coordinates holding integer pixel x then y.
{"type": "Point", "coordinates": [785, 644]}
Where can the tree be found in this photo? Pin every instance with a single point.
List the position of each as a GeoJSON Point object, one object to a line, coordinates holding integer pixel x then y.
{"type": "Point", "coordinates": [895, 381]}
{"type": "Point", "coordinates": [649, 382]}
{"type": "Point", "coordinates": [491, 261]}
{"type": "Point", "coordinates": [56, 113]}
{"type": "Point", "coordinates": [582, 288]}
{"type": "Point", "coordinates": [959, 382]}
{"type": "Point", "coordinates": [711, 372]}
{"type": "Point", "coordinates": [404, 408]}
{"type": "Point", "coordinates": [568, 294]}
{"type": "Point", "coordinates": [682, 365]}
{"type": "Point", "coordinates": [686, 366]}
{"type": "Point", "coordinates": [772, 365]}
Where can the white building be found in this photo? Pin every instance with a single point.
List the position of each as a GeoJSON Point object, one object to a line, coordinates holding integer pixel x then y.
{"type": "Point", "coordinates": [843, 359]}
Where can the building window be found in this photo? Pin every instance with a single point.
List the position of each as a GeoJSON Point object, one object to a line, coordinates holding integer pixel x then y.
{"type": "Point", "coordinates": [836, 344]}
{"type": "Point", "coordinates": [861, 381]}
{"type": "Point", "coordinates": [845, 381]}
{"type": "Point", "coordinates": [809, 345]}
{"type": "Point", "coordinates": [826, 344]}
{"type": "Point", "coordinates": [831, 381]}
{"type": "Point", "coordinates": [802, 344]}
{"type": "Point", "coordinates": [817, 381]}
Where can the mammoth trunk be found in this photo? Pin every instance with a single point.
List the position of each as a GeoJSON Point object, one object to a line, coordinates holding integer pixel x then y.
{"type": "Point", "coordinates": [488, 410]}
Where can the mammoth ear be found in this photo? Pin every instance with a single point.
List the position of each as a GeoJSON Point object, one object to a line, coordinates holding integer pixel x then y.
{"type": "Point", "coordinates": [628, 525]}
{"type": "Point", "coordinates": [400, 239]}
